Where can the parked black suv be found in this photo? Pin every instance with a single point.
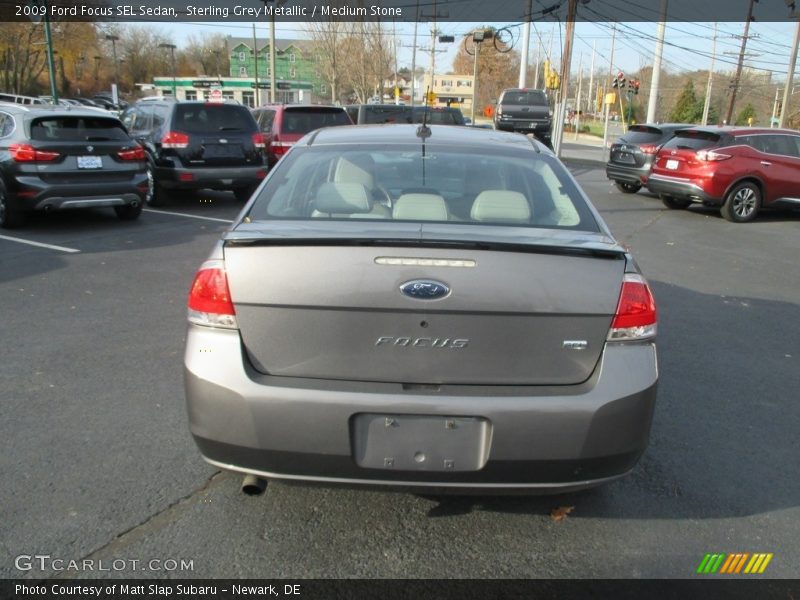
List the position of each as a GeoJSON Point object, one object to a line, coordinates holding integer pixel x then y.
{"type": "Point", "coordinates": [55, 157]}
{"type": "Point", "coordinates": [526, 111]}
{"type": "Point", "coordinates": [633, 153]}
{"type": "Point", "coordinates": [198, 145]}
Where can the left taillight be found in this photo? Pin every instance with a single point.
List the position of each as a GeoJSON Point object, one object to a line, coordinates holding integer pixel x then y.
{"type": "Point", "coordinates": [259, 141]}
{"type": "Point", "coordinates": [133, 154]}
{"type": "Point", "coordinates": [635, 318]}
{"type": "Point", "coordinates": [210, 301]}
{"type": "Point", "coordinates": [27, 153]}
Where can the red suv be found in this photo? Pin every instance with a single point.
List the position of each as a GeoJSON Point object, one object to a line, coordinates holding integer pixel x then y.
{"type": "Point", "coordinates": [739, 169]}
{"type": "Point", "coordinates": [284, 124]}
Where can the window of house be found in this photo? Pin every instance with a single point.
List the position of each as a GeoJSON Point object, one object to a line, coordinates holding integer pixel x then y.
{"type": "Point", "coordinates": [191, 95]}
{"type": "Point", "coordinates": [292, 72]}
{"type": "Point", "coordinates": [291, 57]}
{"type": "Point", "coordinates": [242, 71]}
{"type": "Point", "coordinates": [242, 56]}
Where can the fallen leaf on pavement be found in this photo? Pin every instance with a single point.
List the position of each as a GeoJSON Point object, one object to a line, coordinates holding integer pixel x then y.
{"type": "Point", "coordinates": [560, 513]}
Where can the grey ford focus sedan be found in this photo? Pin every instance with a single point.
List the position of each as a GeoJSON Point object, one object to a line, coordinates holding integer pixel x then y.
{"type": "Point", "coordinates": [421, 307]}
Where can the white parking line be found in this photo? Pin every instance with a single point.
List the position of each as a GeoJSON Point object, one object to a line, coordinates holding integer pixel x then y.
{"type": "Point", "coordinates": [39, 244]}
{"type": "Point", "coordinates": [177, 214]}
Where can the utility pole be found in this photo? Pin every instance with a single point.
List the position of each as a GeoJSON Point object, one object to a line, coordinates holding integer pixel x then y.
{"type": "Point", "coordinates": [608, 87]}
{"type": "Point", "coordinates": [477, 45]}
{"type": "Point", "coordinates": [434, 32]}
{"type": "Point", "coordinates": [171, 48]}
{"type": "Point", "coordinates": [115, 91]}
{"type": "Point", "coordinates": [774, 108]}
{"type": "Point", "coordinates": [539, 49]}
{"type": "Point", "coordinates": [578, 99]}
{"type": "Point", "coordinates": [707, 103]}
{"type": "Point", "coordinates": [526, 42]}
{"type": "Point", "coordinates": [738, 77]}
{"type": "Point", "coordinates": [787, 90]}
{"type": "Point", "coordinates": [414, 58]}
{"type": "Point", "coordinates": [272, 84]}
{"type": "Point", "coordinates": [652, 102]}
{"type": "Point", "coordinates": [590, 97]}
{"type": "Point", "coordinates": [566, 58]}
{"type": "Point", "coordinates": [51, 70]}
{"type": "Point", "coordinates": [255, 65]}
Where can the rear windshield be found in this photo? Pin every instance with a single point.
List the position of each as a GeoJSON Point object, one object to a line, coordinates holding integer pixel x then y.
{"type": "Point", "coordinates": [78, 129]}
{"type": "Point", "coordinates": [304, 120]}
{"type": "Point", "coordinates": [531, 97]}
{"type": "Point", "coordinates": [642, 135]}
{"type": "Point", "coordinates": [406, 183]}
{"type": "Point", "coordinates": [204, 118]}
{"type": "Point", "coordinates": [439, 117]}
{"type": "Point", "coordinates": [693, 140]}
{"type": "Point", "coordinates": [386, 114]}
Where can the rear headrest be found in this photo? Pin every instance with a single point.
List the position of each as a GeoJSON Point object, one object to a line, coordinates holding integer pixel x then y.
{"type": "Point", "coordinates": [342, 198]}
{"type": "Point", "coordinates": [501, 206]}
{"type": "Point", "coordinates": [357, 170]}
{"type": "Point", "coordinates": [420, 207]}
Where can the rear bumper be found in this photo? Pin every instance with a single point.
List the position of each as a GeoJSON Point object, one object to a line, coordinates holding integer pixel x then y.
{"type": "Point", "coordinates": [627, 174]}
{"type": "Point", "coordinates": [32, 193]}
{"type": "Point", "coordinates": [542, 439]}
{"type": "Point", "coordinates": [680, 188]}
{"type": "Point", "coordinates": [538, 128]}
{"type": "Point", "coordinates": [221, 178]}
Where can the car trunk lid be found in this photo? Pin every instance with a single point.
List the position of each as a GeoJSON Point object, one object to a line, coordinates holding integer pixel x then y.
{"type": "Point", "coordinates": [524, 314]}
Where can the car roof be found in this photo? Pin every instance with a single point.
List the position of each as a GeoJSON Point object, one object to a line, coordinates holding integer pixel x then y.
{"type": "Point", "coordinates": [278, 105]}
{"type": "Point", "coordinates": [38, 110]}
{"type": "Point", "coordinates": [440, 135]}
{"type": "Point", "coordinates": [739, 129]}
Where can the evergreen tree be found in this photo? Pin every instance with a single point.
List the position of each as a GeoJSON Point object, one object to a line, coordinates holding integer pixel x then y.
{"type": "Point", "coordinates": [747, 113]}
{"type": "Point", "coordinates": [688, 109]}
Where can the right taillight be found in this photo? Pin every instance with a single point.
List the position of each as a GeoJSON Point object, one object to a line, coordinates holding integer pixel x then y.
{"type": "Point", "coordinates": [711, 156]}
{"type": "Point", "coordinates": [210, 299]}
{"type": "Point", "coordinates": [649, 148]}
{"type": "Point", "coordinates": [175, 139]}
{"type": "Point", "coordinates": [635, 318]}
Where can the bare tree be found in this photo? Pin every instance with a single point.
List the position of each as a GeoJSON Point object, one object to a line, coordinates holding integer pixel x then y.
{"type": "Point", "coordinates": [328, 38]}
{"type": "Point", "coordinates": [22, 57]}
{"type": "Point", "coordinates": [207, 55]}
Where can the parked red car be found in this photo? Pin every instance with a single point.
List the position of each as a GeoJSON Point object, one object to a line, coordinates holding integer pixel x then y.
{"type": "Point", "coordinates": [284, 124]}
{"type": "Point", "coordinates": [739, 169]}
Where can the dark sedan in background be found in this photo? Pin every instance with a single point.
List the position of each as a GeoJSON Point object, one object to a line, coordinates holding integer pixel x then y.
{"type": "Point", "coordinates": [632, 154]}
{"type": "Point", "coordinates": [422, 307]}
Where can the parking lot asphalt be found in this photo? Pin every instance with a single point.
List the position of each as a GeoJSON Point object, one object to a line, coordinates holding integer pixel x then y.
{"type": "Point", "coordinates": [98, 463]}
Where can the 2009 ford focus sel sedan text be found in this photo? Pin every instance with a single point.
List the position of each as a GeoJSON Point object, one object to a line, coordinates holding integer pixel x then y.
{"type": "Point", "coordinates": [421, 307]}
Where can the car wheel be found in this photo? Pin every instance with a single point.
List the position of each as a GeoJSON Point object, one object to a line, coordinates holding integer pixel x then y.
{"type": "Point", "coordinates": [628, 188]}
{"type": "Point", "coordinates": [675, 203]}
{"type": "Point", "coordinates": [9, 218]}
{"type": "Point", "coordinates": [129, 212]}
{"type": "Point", "coordinates": [742, 203]}
{"type": "Point", "coordinates": [155, 193]}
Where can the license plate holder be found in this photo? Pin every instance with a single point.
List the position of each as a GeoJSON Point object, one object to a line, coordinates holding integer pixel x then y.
{"type": "Point", "coordinates": [672, 164]}
{"type": "Point", "coordinates": [90, 162]}
{"type": "Point", "coordinates": [420, 442]}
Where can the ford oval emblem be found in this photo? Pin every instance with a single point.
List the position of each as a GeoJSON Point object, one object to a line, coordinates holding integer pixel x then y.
{"type": "Point", "coordinates": [424, 289]}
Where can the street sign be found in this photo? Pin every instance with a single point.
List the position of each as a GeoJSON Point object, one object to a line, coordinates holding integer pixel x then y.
{"type": "Point", "coordinates": [215, 95]}
{"type": "Point", "coordinates": [610, 98]}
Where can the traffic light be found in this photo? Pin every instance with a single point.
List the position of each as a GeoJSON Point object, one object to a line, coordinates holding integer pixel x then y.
{"type": "Point", "coordinates": [636, 84]}
{"type": "Point", "coordinates": [619, 82]}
